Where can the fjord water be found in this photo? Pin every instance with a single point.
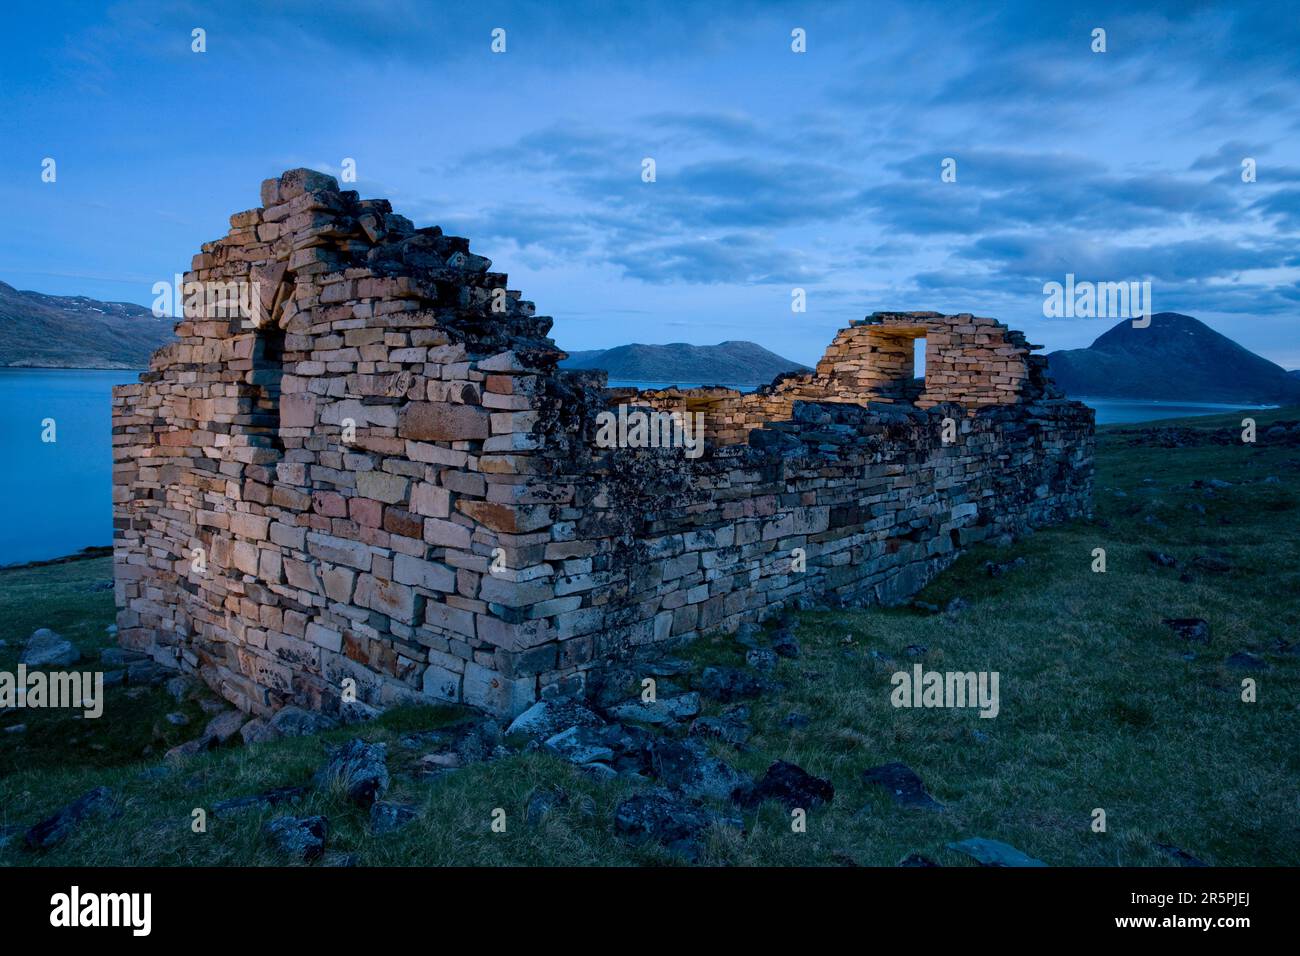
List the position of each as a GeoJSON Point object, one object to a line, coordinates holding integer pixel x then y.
{"type": "Point", "coordinates": [56, 497]}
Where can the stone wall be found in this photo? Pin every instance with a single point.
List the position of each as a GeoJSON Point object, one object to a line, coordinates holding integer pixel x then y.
{"type": "Point", "coordinates": [376, 478]}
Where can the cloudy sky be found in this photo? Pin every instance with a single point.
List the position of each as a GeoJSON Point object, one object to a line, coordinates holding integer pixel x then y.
{"type": "Point", "coordinates": [774, 169]}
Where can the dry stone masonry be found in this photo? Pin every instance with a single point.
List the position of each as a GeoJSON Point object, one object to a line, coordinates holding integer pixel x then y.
{"type": "Point", "coordinates": [373, 478]}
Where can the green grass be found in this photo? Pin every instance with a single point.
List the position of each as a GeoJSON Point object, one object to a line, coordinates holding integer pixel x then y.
{"type": "Point", "coordinates": [1100, 707]}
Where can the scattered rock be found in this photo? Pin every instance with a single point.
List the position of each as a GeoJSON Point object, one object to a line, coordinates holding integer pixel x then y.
{"type": "Point", "coordinates": [994, 853]}
{"type": "Point", "coordinates": [915, 859]}
{"type": "Point", "coordinates": [687, 766]}
{"type": "Point", "coordinates": [55, 829]}
{"type": "Point", "coordinates": [546, 718]}
{"type": "Point", "coordinates": [357, 712]}
{"type": "Point", "coordinates": [663, 712]}
{"type": "Point", "coordinates": [359, 769]}
{"type": "Point", "coordinates": [297, 722]}
{"type": "Point", "coordinates": [1162, 560]}
{"type": "Point", "coordinates": [925, 607]}
{"type": "Point", "coordinates": [1192, 629]}
{"type": "Point", "coordinates": [8, 834]}
{"type": "Point", "coordinates": [749, 635]}
{"type": "Point", "coordinates": [120, 656]}
{"type": "Point", "coordinates": [957, 605]}
{"type": "Point", "coordinates": [726, 684]}
{"type": "Point", "coordinates": [792, 786]}
{"type": "Point", "coordinates": [212, 706]}
{"type": "Point", "coordinates": [903, 784]}
{"type": "Point", "coordinates": [580, 745]}
{"type": "Point", "coordinates": [448, 760]}
{"type": "Point", "coordinates": [387, 817]}
{"type": "Point", "coordinates": [301, 838]}
{"type": "Point", "coordinates": [177, 719]}
{"type": "Point", "coordinates": [796, 721]}
{"type": "Point", "coordinates": [761, 659]}
{"type": "Point", "coordinates": [1182, 856]}
{"type": "Point", "coordinates": [542, 801]}
{"type": "Point", "coordinates": [179, 687]}
{"type": "Point", "coordinates": [915, 650]}
{"type": "Point", "coordinates": [47, 649]}
{"type": "Point", "coordinates": [266, 800]}
{"type": "Point", "coordinates": [996, 569]}
{"type": "Point", "coordinates": [338, 858]}
{"type": "Point", "coordinates": [658, 815]}
{"type": "Point", "coordinates": [786, 644]}
{"type": "Point", "coordinates": [1246, 661]}
{"type": "Point", "coordinates": [258, 731]}
{"type": "Point", "coordinates": [225, 725]}
{"type": "Point", "coordinates": [731, 726]}
{"type": "Point", "coordinates": [1211, 563]}
{"type": "Point", "coordinates": [16, 729]}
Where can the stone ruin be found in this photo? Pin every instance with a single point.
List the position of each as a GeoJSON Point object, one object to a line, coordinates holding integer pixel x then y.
{"type": "Point", "coordinates": [376, 486]}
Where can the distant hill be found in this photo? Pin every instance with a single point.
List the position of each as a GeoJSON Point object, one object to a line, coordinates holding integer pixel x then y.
{"type": "Point", "coordinates": [731, 363]}
{"type": "Point", "coordinates": [1176, 358]}
{"type": "Point", "coordinates": [53, 331]}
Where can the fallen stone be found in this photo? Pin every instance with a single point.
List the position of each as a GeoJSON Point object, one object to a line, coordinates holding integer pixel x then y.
{"type": "Point", "coordinates": [792, 786]}
{"type": "Point", "coordinates": [47, 649]}
{"type": "Point", "coordinates": [357, 712]}
{"type": "Point", "coordinates": [266, 800]}
{"type": "Point", "coordinates": [296, 722]}
{"type": "Point", "coordinates": [580, 745]}
{"type": "Point", "coordinates": [225, 725]}
{"type": "Point", "coordinates": [1246, 661]}
{"type": "Point", "coordinates": [1162, 560]}
{"type": "Point", "coordinates": [916, 860]}
{"type": "Point", "coordinates": [546, 718]}
{"type": "Point", "coordinates": [994, 853]}
{"type": "Point", "coordinates": [1192, 629]}
{"type": "Point", "coordinates": [1211, 563]}
{"type": "Point", "coordinates": [179, 687]}
{"type": "Point", "coordinates": [16, 729]}
{"type": "Point", "coordinates": [177, 719]}
{"type": "Point", "coordinates": [660, 816]}
{"type": "Point", "coordinates": [761, 659]}
{"type": "Point", "coordinates": [957, 605]}
{"type": "Point", "coordinates": [1182, 856]}
{"type": "Point", "coordinates": [55, 829]}
{"type": "Point", "coordinates": [786, 644]}
{"type": "Point", "coordinates": [749, 635]}
{"type": "Point", "coordinates": [542, 801]}
{"type": "Point", "coordinates": [300, 838]}
{"type": "Point", "coordinates": [903, 785]}
{"type": "Point", "coordinates": [663, 712]}
{"type": "Point", "coordinates": [687, 766]}
{"type": "Point", "coordinates": [726, 684]}
{"type": "Point", "coordinates": [995, 569]}
{"type": "Point", "coordinates": [258, 731]}
{"type": "Point", "coordinates": [387, 817]}
{"type": "Point", "coordinates": [357, 768]}
{"type": "Point", "coordinates": [731, 726]}
{"type": "Point", "coordinates": [120, 656]}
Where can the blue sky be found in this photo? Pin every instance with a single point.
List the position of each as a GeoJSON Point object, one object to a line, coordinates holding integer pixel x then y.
{"type": "Point", "coordinates": [775, 170]}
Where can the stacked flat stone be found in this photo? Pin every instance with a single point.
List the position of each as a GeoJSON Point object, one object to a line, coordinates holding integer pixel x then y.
{"type": "Point", "coordinates": [379, 487]}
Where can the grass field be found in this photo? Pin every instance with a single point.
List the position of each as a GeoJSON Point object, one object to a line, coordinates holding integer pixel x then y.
{"type": "Point", "coordinates": [1101, 706]}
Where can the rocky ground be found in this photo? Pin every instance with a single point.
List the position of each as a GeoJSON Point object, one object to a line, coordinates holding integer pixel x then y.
{"type": "Point", "coordinates": [1121, 691]}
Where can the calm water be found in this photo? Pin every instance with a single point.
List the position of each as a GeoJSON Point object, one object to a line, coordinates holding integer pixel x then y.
{"type": "Point", "coordinates": [57, 496]}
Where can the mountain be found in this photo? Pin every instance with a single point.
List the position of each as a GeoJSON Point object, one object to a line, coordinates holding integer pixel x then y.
{"type": "Point", "coordinates": [1176, 358]}
{"type": "Point", "coordinates": [729, 363]}
{"type": "Point", "coordinates": [54, 331]}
